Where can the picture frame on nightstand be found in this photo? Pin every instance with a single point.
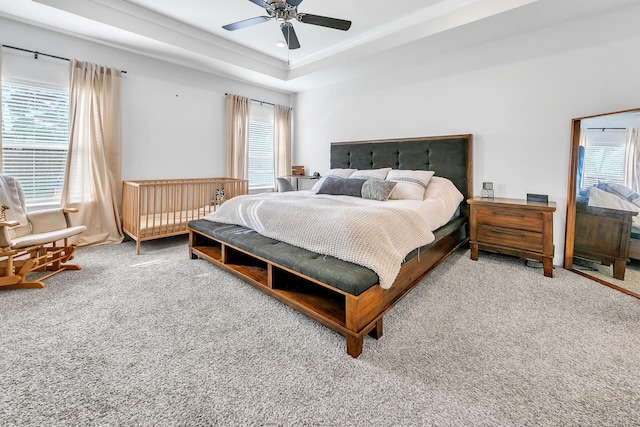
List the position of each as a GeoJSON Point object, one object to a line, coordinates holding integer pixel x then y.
{"type": "Point", "coordinates": [487, 190]}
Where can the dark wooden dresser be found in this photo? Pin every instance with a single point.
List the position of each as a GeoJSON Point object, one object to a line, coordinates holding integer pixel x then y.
{"type": "Point", "coordinates": [513, 227]}
{"type": "Point", "coordinates": [603, 235]}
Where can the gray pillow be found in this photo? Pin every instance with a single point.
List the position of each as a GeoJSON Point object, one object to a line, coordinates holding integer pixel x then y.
{"type": "Point", "coordinates": [342, 186]}
{"type": "Point", "coordinates": [377, 189]}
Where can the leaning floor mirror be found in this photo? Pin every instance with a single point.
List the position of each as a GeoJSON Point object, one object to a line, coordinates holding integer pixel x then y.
{"type": "Point", "coordinates": [603, 200]}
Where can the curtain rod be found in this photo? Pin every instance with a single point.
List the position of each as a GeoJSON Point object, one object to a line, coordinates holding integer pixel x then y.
{"type": "Point", "coordinates": [36, 53]}
{"type": "Point", "coordinates": [603, 129]}
{"type": "Point", "coordinates": [257, 100]}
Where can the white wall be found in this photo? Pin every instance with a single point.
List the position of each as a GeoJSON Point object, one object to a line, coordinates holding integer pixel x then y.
{"type": "Point", "coordinates": [172, 116]}
{"type": "Point", "coordinates": [517, 97]}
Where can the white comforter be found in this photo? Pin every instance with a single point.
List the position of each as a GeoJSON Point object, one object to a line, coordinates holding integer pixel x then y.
{"type": "Point", "coordinates": [377, 235]}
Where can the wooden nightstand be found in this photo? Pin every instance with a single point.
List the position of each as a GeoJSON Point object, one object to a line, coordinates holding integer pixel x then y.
{"type": "Point", "coordinates": [513, 227]}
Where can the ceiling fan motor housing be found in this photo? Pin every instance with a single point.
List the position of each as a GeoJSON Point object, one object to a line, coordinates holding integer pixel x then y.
{"type": "Point", "coordinates": [282, 10]}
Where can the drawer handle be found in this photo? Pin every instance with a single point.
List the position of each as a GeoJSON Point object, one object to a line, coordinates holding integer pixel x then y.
{"type": "Point", "coordinates": [509, 214]}
{"type": "Point", "coordinates": [510, 233]}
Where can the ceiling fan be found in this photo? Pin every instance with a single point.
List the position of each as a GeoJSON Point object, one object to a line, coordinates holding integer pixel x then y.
{"type": "Point", "coordinates": [284, 11]}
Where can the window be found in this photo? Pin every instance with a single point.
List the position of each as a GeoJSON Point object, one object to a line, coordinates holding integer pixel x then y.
{"type": "Point", "coordinates": [604, 157]}
{"type": "Point", "coordinates": [35, 139]}
{"type": "Point", "coordinates": [261, 152]}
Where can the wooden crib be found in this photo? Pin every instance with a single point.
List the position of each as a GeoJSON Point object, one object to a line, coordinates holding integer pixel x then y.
{"type": "Point", "coordinates": [152, 209]}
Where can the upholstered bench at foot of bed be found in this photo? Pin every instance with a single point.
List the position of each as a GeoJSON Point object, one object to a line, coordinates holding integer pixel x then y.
{"type": "Point", "coordinates": [348, 277]}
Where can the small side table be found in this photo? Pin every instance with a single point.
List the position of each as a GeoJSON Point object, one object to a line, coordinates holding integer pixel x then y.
{"type": "Point", "coordinates": [513, 227]}
{"type": "Point", "coordinates": [299, 177]}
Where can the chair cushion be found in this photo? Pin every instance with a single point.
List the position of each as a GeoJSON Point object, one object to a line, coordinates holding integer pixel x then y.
{"type": "Point", "coordinates": [48, 237]}
{"type": "Point", "coordinates": [47, 220]}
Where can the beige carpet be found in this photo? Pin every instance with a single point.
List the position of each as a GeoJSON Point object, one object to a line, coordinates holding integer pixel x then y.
{"type": "Point", "coordinates": [162, 340]}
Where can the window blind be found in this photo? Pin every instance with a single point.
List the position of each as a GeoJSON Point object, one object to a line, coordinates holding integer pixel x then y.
{"type": "Point", "coordinates": [261, 151]}
{"type": "Point", "coordinates": [603, 163]}
{"type": "Point", "coordinates": [35, 139]}
{"type": "Point", "coordinates": [604, 157]}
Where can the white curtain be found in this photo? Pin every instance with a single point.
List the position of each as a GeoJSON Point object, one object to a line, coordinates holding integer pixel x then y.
{"type": "Point", "coordinates": [282, 137]}
{"type": "Point", "coordinates": [632, 159]}
{"type": "Point", "coordinates": [583, 137]}
{"type": "Point", "coordinates": [92, 181]}
{"type": "Point", "coordinates": [237, 121]}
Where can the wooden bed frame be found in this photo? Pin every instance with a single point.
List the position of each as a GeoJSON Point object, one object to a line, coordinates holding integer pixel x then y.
{"type": "Point", "coordinates": [157, 208]}
{"type": "Point", "coordinates": [356, 316]}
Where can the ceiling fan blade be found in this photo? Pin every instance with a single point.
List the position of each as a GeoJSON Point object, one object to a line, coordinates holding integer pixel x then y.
{"type": "Point", "coordinates": [261, 3]}
{"type": "Point", "coordinates": [323, 21]}
{"type": "Point", "coordinates": [290, 35]}
{"type": "Point", "coordinates": [246, 23]}
{"type": "Point", "coordinates": [294, 3]}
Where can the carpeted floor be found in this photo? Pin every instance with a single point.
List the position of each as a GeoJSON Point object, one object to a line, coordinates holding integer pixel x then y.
{"type": "Point", "coordinates": [162, 340]}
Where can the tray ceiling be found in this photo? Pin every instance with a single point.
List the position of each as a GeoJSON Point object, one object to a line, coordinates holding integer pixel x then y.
{"type": "Point", "coordinates": [190, 32]}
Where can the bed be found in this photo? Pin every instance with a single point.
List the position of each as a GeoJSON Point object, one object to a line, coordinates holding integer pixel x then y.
{"type": "Point", "coordinates": [153, 209]}
{"type": "Point", "coordinates": [349, 298]}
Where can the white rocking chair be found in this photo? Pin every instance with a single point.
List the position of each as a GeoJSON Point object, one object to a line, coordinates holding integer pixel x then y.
{"type": "Point", "coordinates": [28, 241]}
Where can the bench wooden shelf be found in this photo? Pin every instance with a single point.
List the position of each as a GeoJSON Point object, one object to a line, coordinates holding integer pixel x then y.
{"type": "Point", "coordinates": [291, 287]}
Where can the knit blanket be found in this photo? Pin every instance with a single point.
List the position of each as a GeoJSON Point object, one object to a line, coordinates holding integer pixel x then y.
{"type": "Point", "coordinates": [12, 196]}
{"type": "Point", "coordinates": [370, 233]}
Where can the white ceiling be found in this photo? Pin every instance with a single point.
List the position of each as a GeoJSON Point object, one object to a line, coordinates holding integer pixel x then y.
{"type": "Point", "coordinates": [190, 32]}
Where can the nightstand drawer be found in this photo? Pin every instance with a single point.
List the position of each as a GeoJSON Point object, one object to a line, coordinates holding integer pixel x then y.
{"type": "Point", "coordinates": [509, 237]}
{"type": "Point", "coordinates": [508, 217]}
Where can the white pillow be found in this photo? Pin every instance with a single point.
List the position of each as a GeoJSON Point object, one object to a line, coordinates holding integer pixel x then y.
{"type": "Point", "coordinates": [444, 189]}
{"type": "Point", "coordinates": [340, 173]}
{"type": "Point", "coordinates": [411, 184]}
{"type": "Point", "coordinates": [371, 173]}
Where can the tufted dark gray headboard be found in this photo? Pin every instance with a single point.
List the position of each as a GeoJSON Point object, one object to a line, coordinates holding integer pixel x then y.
{"type": "Point", "coordinates": [448, 156]}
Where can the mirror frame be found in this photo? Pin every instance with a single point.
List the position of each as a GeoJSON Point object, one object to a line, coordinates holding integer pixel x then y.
{"type": "Point", "coordinates": [569, 240]}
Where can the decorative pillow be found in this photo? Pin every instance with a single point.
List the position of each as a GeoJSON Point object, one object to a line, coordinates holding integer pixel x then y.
{"type": "Point", "coordinates": [446, 191]}
{"type": "Point", "coordinates": [377, 189]}
{"type": "Point", "coordinates": [342, 186]}
{"type": "Point", "coordinates": [340, 173]}
{"type": "Point", "coordinates": [620, 191]}
{"type": "Point", "coordinates": [443, 188]}
{"type": "Point", "coordinates": [411, 184]}
{"type": "Point", "coordinates": [371, 173]}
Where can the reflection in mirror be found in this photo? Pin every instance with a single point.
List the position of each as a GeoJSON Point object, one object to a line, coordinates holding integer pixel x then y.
{"type": "Point", "coordinates": [603, 203]}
